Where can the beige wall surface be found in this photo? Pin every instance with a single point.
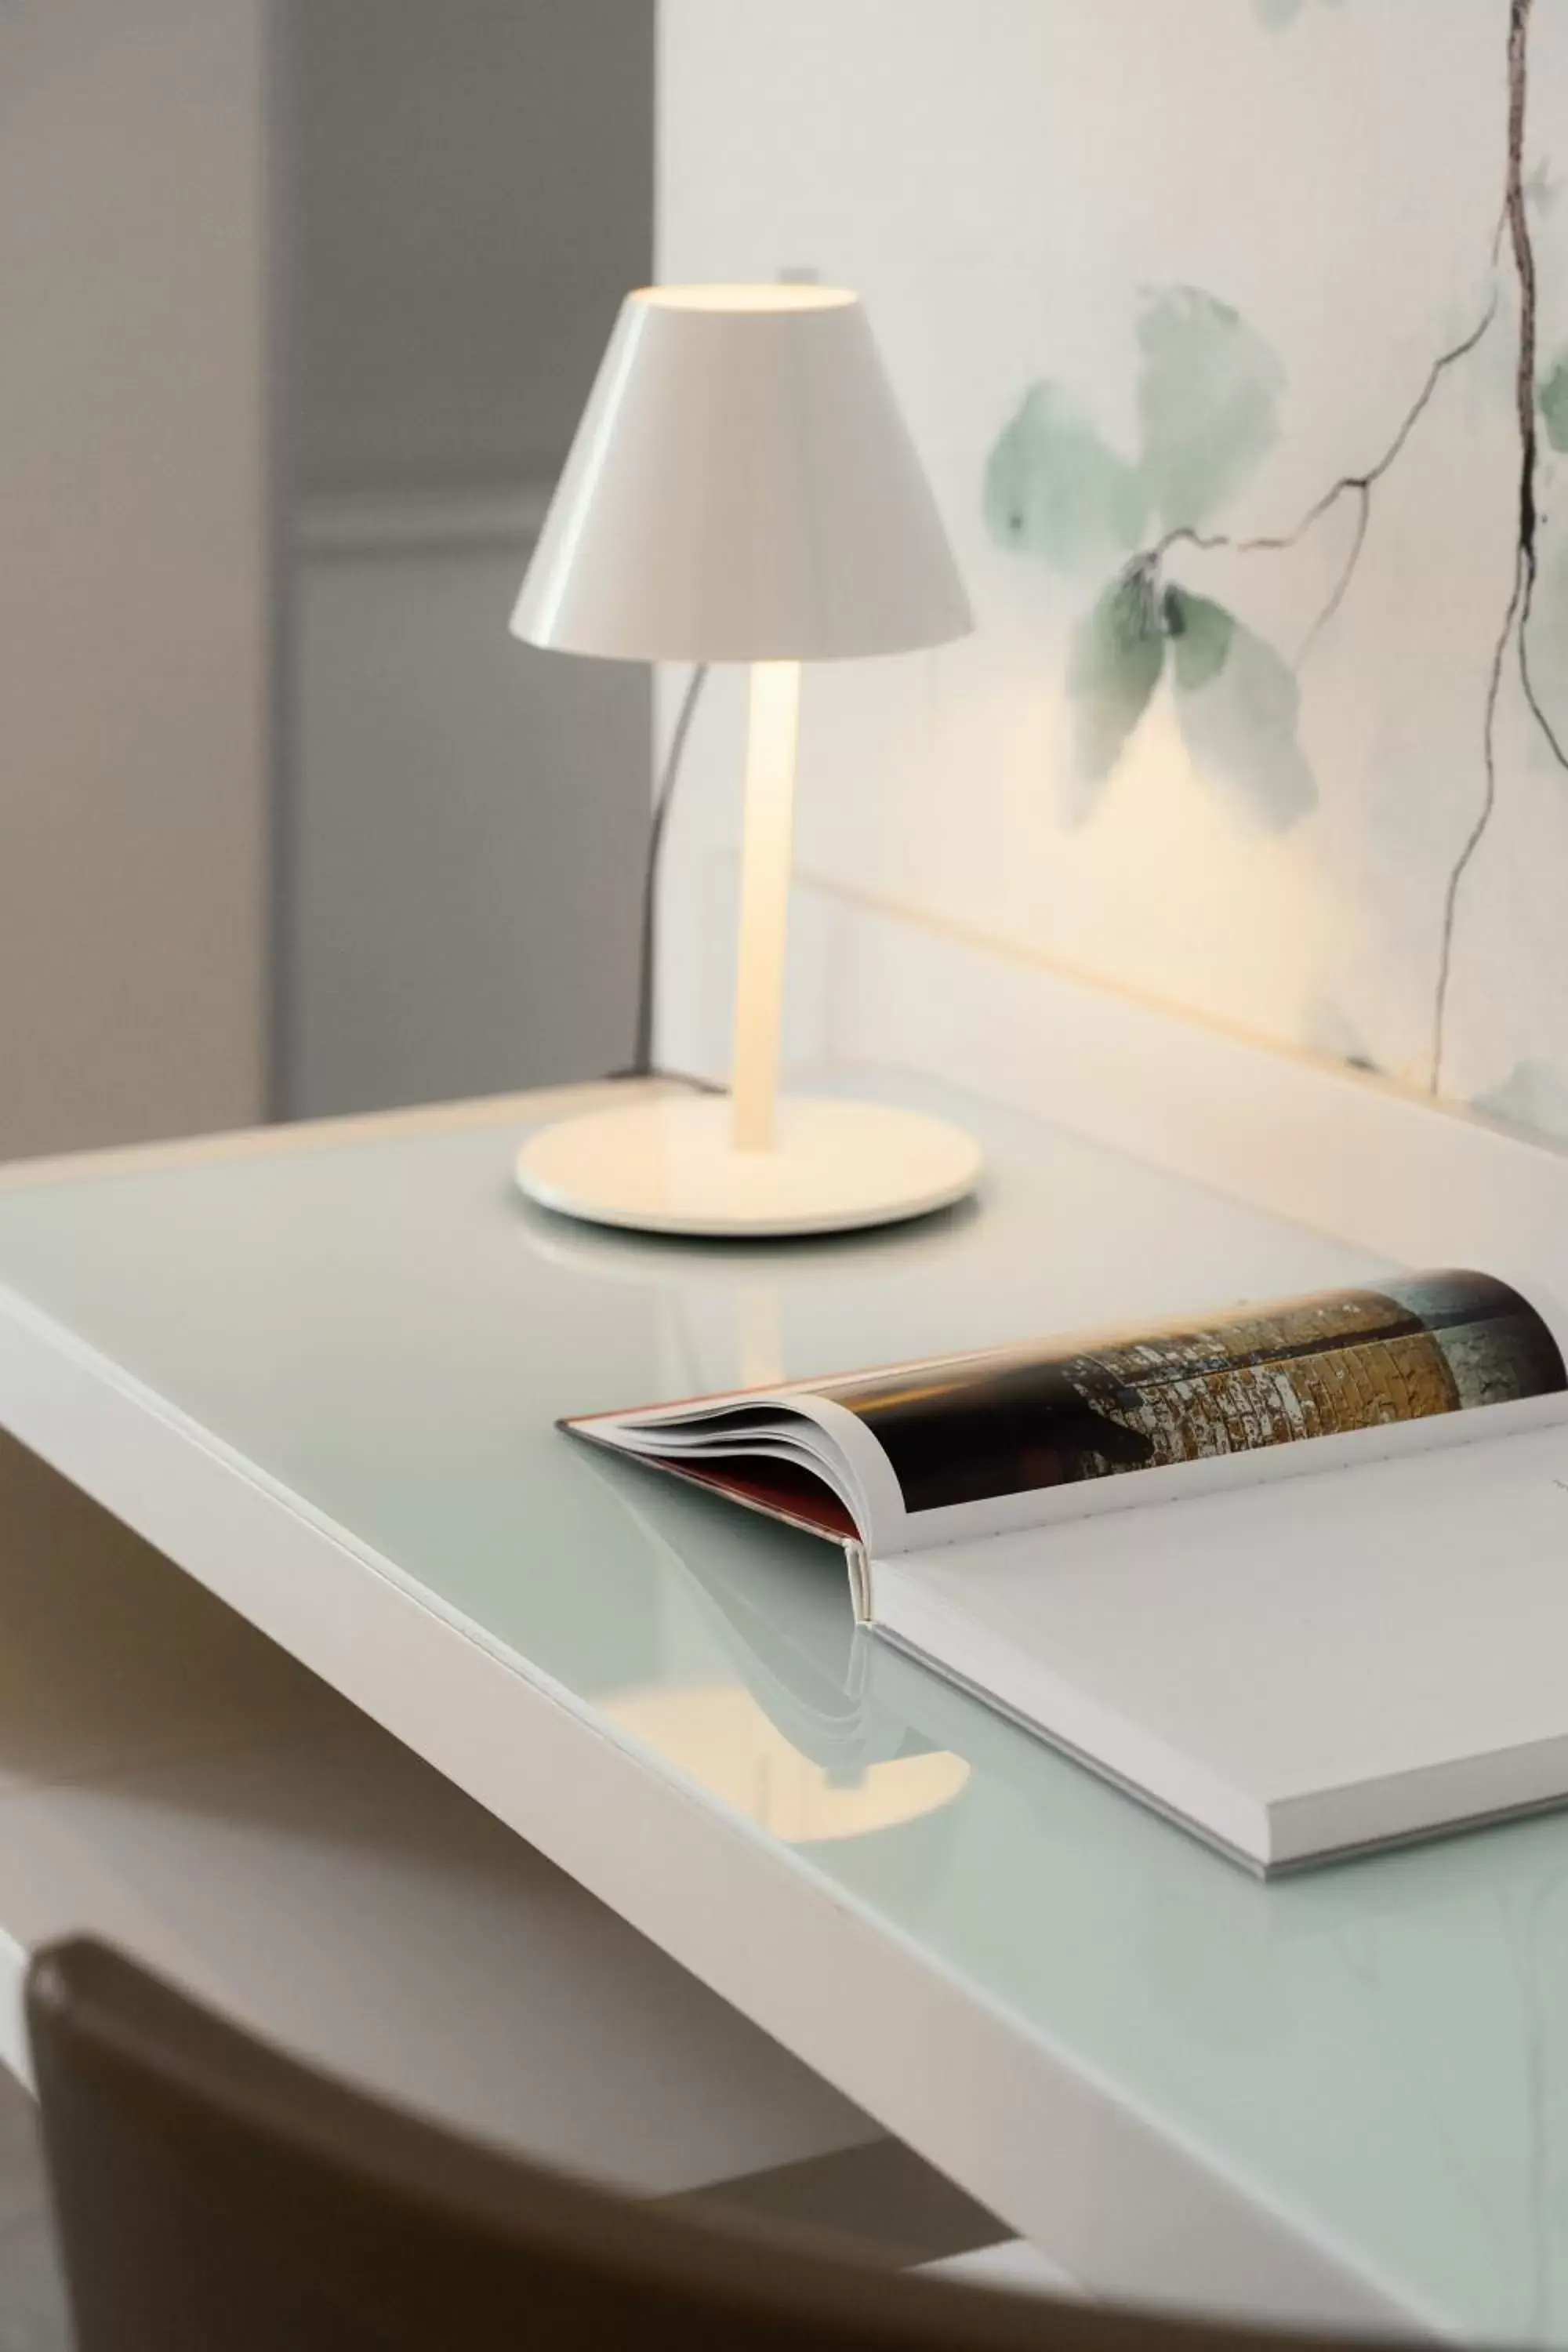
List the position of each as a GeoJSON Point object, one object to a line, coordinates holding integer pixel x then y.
{"type": "Point", "coordinates": [476, 194]}
{"type": "Point", "coordinates": [133, 581]}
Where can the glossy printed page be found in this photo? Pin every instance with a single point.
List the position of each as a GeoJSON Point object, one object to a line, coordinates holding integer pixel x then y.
{"type": "Point", "coordinates": [967, 1432]}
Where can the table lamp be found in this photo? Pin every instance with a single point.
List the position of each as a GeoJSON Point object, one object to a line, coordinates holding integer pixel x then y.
{"type": "Point", "coordinates": [742, 488]}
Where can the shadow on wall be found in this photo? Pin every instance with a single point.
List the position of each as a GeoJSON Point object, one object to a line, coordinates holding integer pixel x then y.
{"type": "Point", "coordinates": [465, 826]}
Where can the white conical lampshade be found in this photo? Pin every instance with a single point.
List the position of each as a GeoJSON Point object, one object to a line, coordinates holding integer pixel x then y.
{"type": "Point", "coordinates": [741, 487]}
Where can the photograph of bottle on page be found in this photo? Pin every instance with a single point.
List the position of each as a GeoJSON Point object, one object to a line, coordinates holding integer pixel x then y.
{"type": "Point", "coordinates": [1013, 1421]}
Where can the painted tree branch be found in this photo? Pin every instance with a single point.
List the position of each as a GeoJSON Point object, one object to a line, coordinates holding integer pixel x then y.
{"type": "Point", "coordinates": [1524, 269]}
{"type": "Point", "coordinates": [1360, 486]}
{"type": "Point", "coordinates": [1346, 575]}
{"type": "Point", "coordinates": [1524, 381]}
{"type": "Point", "coordinates": [1522, 591]}
{"type": "Point", "coordinates": [1476, 833]}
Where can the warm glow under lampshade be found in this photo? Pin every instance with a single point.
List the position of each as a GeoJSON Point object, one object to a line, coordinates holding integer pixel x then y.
{"type": "Point", "coordinates": [741, 487]}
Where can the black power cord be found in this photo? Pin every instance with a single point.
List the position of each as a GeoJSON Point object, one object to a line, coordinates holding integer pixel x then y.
{"type": "Point", "coordinates": [642, 1064]}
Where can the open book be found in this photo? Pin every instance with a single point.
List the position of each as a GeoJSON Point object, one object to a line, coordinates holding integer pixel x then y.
{"type": "Point", "coordinates": [1295, 1574]}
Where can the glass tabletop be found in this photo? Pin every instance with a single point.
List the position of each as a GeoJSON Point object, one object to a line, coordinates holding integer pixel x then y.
{"type": "Point", "coordinates": [1377, 2052]}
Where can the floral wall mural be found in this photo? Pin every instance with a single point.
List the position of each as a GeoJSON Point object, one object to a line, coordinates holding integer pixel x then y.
{"type": "Point", "coordinates": [1206, 403]}
{"type": "Point", "coordinates": [1206, 408]}
{"type": "Point", "coordinates": [1237, 335]}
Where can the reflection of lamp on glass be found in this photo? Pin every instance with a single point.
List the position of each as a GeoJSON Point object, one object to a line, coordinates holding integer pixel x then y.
{"type": "Point", "coordinates": [721, 1737]}
{"type": "Point", "coordinates": [741, 488]}
{"type": "Point", "coordinates": [739, 1314]}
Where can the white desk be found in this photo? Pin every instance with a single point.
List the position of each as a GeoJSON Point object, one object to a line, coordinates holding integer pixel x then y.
{"type": "Point", "coordinates": [319, 1369]}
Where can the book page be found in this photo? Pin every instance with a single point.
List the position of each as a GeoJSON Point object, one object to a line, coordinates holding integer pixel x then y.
{"type": "Point", "coordinates": [986, 1442]}
{"type": "Point", "coordinates": [958, 1448]}
{"type": "Point", "coordinates": [1378, 1658]}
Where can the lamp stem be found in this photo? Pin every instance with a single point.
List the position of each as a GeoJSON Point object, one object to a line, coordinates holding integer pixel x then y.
{"type": "Point", "coordinates": [773, 727]}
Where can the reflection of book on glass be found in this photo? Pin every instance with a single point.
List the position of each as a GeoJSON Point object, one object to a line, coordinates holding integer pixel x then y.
{"type": "Point", "coordinates": [1298, 1574]}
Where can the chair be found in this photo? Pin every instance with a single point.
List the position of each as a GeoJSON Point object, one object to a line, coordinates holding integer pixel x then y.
{"type": "Point", "coordinates": [213, 2195]}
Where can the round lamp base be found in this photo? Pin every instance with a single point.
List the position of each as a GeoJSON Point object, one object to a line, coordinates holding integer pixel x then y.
{"type": "Point", "coordinates": [669, 1166]}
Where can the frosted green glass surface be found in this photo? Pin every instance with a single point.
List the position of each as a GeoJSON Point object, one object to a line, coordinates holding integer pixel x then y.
{"type": "Point", "coordinates": [1378, 2050]}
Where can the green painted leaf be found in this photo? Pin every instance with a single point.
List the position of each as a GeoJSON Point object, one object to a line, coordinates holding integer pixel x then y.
{"type": "Point", "coordinates": [1208, 395]}
{"type": "Point", "coordinates": [1054, 490]}
{"type": "Point", "coordinates": [1275, 15]}
{"type": "Point", "coordinates": [1200, 635]}
{"type": "Point", "coordinates": [1237, 703]}
{"type": "Point", "coordinates": [1552, 394]}
{"type": "Point", "coordinates": [1117, 655]}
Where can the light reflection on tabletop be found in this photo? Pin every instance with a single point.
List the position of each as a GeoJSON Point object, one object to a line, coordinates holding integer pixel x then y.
{"type": "Point", "coordinates": [721, 1738]}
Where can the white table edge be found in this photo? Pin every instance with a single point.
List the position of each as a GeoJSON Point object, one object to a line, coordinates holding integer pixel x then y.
{"type": "Point", "coordinates": [289, 1136]}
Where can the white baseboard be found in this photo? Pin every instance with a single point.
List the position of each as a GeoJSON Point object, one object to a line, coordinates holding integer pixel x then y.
{"type": "Point", "coordinates": [1328, 1147]}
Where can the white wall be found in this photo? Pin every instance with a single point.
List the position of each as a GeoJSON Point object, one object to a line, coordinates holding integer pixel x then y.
{"type": "Point", "coordinates": [133, 573]}
{"type": "Point", "coordinates": [1236, 242]}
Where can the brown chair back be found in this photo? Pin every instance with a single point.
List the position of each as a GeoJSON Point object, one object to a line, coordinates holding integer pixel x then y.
{"type": "Point", "coordinates": [215, 2195]}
